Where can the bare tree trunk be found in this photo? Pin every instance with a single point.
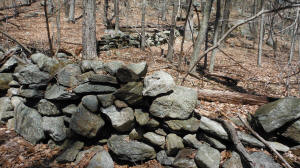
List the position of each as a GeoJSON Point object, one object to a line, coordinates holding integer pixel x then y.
{"type": "Point", "coordinates": [201, 34]}
{"type": "Point", "coordinates": [226, 13]}
{"type": "Point", "coordinates": [50, 7]}
{"type": "Point", "coordinates": [105, 19]}
{"type": "Point", "coordinates": [72, 11]}
{"type": "Point", "coordinates": [116, 9]}
{"type": "Point", "coordinates": [58, 27]}
{"type": "Point", "coordinates": [216, 36]}
{"type": "Point", "coordinates": [163, 11]}
{"type": "Point", "coordinates": [172, 33]}
{"type": "Point", "coordinates": [89, 30]}
{"type": "Point", "coordinates": [294, 37]}
{"type": "Point", "coordinates": [67, 8]}
{"type": "Point", "coordinates": [189, 28]}
{"type": "Point", "coordinates": [143, 25]}
{"type": "Point", "coordinates": [48, 29]}
{"type": "Point", "coordinates": [261, 37]}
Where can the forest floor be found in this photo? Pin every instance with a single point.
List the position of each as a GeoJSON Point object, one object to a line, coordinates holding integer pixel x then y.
{"type": "Point", "coordinates": [238, 62]}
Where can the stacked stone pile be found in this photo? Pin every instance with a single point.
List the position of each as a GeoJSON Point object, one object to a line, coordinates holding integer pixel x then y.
{"type": "Point", "coordinates": [71, 105]}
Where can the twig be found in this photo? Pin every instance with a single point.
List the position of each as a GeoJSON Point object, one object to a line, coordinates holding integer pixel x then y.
{"type": "Point", "coordinates": [233, 28]}
{"type": "Point", "coordinates": [237, 143]}
{"type": "Point", "coordinates": [264, 141]}
{"type": "Point", "coordinates": [16, 41]}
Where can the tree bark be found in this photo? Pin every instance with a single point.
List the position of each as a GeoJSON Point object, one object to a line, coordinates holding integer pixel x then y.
{"type": "Point", "coordinates": [294, 37]}
{"type": "Point", "coordinates": [201, 34]}
{"type": "Point", "coordinates": [163, 11]}
{"type": "Point", "coordinates": [58, 41]}
{"type": "Point", "coordinates": [225, 18]}
{"type": "Point", "coordinates": [143, 40]}
{"type": "Point", "coordinates": [89, 30]}
{"type": "Point", "coordinates": [261, 39]}
{"type": "Point", "coordinates": [233, 97]}
{"type": "Point", "coordinates": [116, 9]}
{"type": "Point", "coordinates": [72, 11]}
{"type": "Point", "coordinates": [67, 8]}
{"type": "Point", "coordinates": [48, 29]}
{"type": "Point", "coordinates": [216, 36]}
{"type": "Point", "coordinates": [189, 27]}
{"type": "Point", "coordinates": [172, 32]}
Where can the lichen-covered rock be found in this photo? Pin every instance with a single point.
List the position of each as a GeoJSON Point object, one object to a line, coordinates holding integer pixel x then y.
{"type": "Point", "coordinates": [29, 123]}
{"type": "Point", "coordinates": [141, 117]}
{"type": "Point", "coordinates": [191, 140]}
{"type": "Point", "coordinates": [130, 150]}
{"type": "Point", "coordinates": [67, 76]}
{"type": "Point", "coordinates": [47, 108]}
{"type": "Point", "coordinates": [113, 66]}
{"type": "Point", "coordinates": [6, 108]}
{"type": "Point", "coordinates": [104, 79]}
{"type": "Point", "coordinates": [45, 63]}
{"type": "Point", "coordinates": [214, 142]}
{"type": "Point", "coordinates": [101, 159]}
{"type": "Point", "coordinates": [163, 158]}
{"type": "Point", "coordinates": [178, 105]}
{"type": "Point", "coordinates": [70, 109]}
{"type": "Point", "coordinates": [106, 100]}
{"type": "Point", "coordinates": [89, 88]}
{"type": "Point", "coordinates": [213, 127]}
{"type": "Point", "coordinates": [190, 125]}
{"type": "Point", "coordinates": [86, 123]}
{"type": "Point", "coordinates": [55, 127]}
{"type": "Point", "coordinates": [185, 159]}
{"type": "Point", "coordinates": [274, 115]}
{"type": "Point", "coordinates": [263, 160]}
{"type": "Point", "coordinates": [207, 157]}
{"type": "Point", "coordinates": [31, 93]}
{"type": "Point", "coordinates": [173, 144]}
{"type": "Point", "coordinates": [293, 132]}
{"type": "Point", "coordinates": [131, 93]}
{"type": "Point", "coordinates": [155, 139]}
{"type": "Point", "coordinates": [140, 69]}
{"type": "Point", "coordinates": [31, 74]}
{"type": "Point", "coordinates": [121, 120]}
{"type": "Point", "coordinates": [233, 162]}
{"type": "Point", "coordinates": [91, 103]}
{"type": "Point", "coordinates": [158, 83]}
{"type": "Point", "coordinates": [70, 153]}
{"type": "Point", "coordinates": [57, 92]}
{"type": "Point", "coordinates": [5, 79]}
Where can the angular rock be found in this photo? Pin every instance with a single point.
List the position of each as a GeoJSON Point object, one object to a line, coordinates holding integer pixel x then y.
{"type": "Point", "coordinates": [120, 104]}
{"type": "Point", "coordinates": [192, 141]}
{"type": "Point", "coordinates": [47, 108]}
{"type": "Point", "coordinates": [29, 123]}
{"type": "Point", "coordinates": [160, 131]}
{"type": "Point", "coordinates": [295, 150]}
{"type": "Point", "coordinates": [45, 63]}
{"type": "Point", "coordinates": [13, 92]}
{"type": "Point", "coordinates": [31, 93]}
{"type": "Point", "coordinates": [97, 66]}
{"type": "Point", "coordinates": [293, 132]}
{"type": "Point", "coordinates": [121, 120]}
{"type": "Point", "coordinates": [158, 83]}
{"type": "Point", "coordinates": [141, 117]}
{"type": "Point", "coordinates": [152, 123]}
{"type": "Point", "coordinates": [9, 65]}
{"type": "Point", "coordinates": [84, 78]}
{"type": "Point", "coordinates": [113, 66]}
{"type": "Point", "coordinates": [124, 75]}
{"type": "Point", "coordinates": [86, 123]}
{"type": "Point", "coordinates": [178, 105]}
{"type": "Point", "coordinates": [70, 109]}
{"type": "Point", "coordinates": [173, 144]}
{"type": "Point", "coordinates": [31, 74]}
{"type": "Point", "coordinates": [140, 69]}
{"type": "Point", "coordinates": [250, 140]}
{"type": "Point", "coordinates": [184, 159]}
{"type": "Point", "coordinates": [155, 139]}
{"type": "Point", "coordinates": [14, 83]}
{"type": "Point", "coordinates": [57, 92]}
{"type": "Point", "coordinates": [104, 79]}
{"type": "Point", "coordinates": [214, 142]}
{"type": "Point", "coordinates": [68, 75]}
{"type": "Point", "coordinates": [88, 88]}
{"type": "Point", "coordinates": [83, 153]}
{"type": "Point", "coordinates": [102, 159]}
{"type": "Point", "coordinates": [106, 100]}
{"type": "Point", "coordinates": [130, 150]}
{"type": "Point", "coordinates": [190, 125]}
{"type": "Point", "coordinates": [136, 134]}
{"type": "Point", "coordinates": [15, 101]}
{"type": "Point", "coordinates": [276, 114]}
{"type": "Point", "coordinates": [90, 102]}
{"type": "Point", "coordinates": [55, 127]}
{"type": "Point", "coordinates": [6, 108]}
{"type": "Point", "coordinates": [11, 124]}
{"type": "Point", "coordinates": [88, 65]}
{"type": "Point", "coordinates": [263, 160]}
{"type": "Point", "coordinates": [163, 158]}
{"type": "Point", "coordinates": [5, 79]}
{"type": "Point", "coordinates": [70, 153]}
{"type": "Point", "coordinates": [207, 157]}
{"type": "Point", "coordinates": [233, 162]}
{"type": "Point", "coordinates": [131, 93]}
{"type": "Point", "coordinates": [213, 127]}
{"type": "Point", "coordinates": [278, 146]}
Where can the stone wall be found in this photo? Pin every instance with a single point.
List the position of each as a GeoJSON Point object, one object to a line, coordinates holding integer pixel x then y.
{"type": "Point", "coordinates": [69, 105]}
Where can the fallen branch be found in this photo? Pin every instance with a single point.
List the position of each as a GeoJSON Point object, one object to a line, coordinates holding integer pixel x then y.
{"type": "Point", "coordinates": [233, 97]}
{"type": "Point", "coordinates": [16, 41]}
{"type": "Point", "coordinates": [264, 141]}
{"type": "Point", "coordinates": [233, 28]}
{"type": "Point", "coordinates": [238, 144]}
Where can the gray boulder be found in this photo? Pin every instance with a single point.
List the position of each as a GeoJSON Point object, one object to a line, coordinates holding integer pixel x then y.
{"type": "Point", "coordinates": [70, 109]}
{"type": "Point", "coordinates": [163, 158]}
{"type": "Point", "coordinates": [88, 88]}
{"type": "Point", "coordinates": [184, 159]}
{"type": "Point", "coordinates": [190, 125]}
{"type": "Point", "coordinates": [84, 77]}
{"type": "Point", "coordinates": [45, 63]}
{"type": "Point", "coordinates": [31, 74]}
{"type": "Point", "coordinates": [214, 142]}
{"type": "Point", "coordinates": [90, 102]}
{"type": "Point", "coordinates": [233, 162]}
{"type": "Point", "coordinates": [124, 75]}
{"type": "Point", "coordinates": [47, 108]}
{"type": "Point", "coordinates": [158, 83]}
{"type": "Point", "coordinates": [276, 114]}
{"type": "Point", "coordinates": [141, 117]}
{"type": "Point", "coordinates": [88, 65]}
{"type": "Point", "coordinates": [55, 127]}
{"type": "Point", "coordinates": [68, 75]}
{"type": "Point", "coordinates": [155, 139]}
{"type": "Point", "coordinates": [31, 93]}
{"type": "Point", "coordinates": [213, 127]}
{"type": "Point", "coordinates": [6, 108]}
{"type": "Point", "coordinates": [5, 79]}
{"type": "Point", "coordinates": [105, 79]}
{"type": "Point", "coordinates": [9, 65]}
{"type": "Point", "coordinates": [121, 120]}
{"type": "Point", "coordinates": [85, 123]}
{"type": "Point", "coordinates": [120, 104]}
{"type": "Point", "coordinates": [178, 105]}
{"type": "Point", "coordinates": [57, 92]}
{"type": "Point", "coordinates": [173, 144]}
{"type": "Point", "coordinates": [191, 140]}
{"type": "Point", "coordinates": [70, 153]}
{"type": "Point", "coordinates": [293, 132]}
{"type": "Point", "coordinates": [131, 93]}
{"type": "Point", "coordinates": [16, 100]}
{"type": "Point", "coordinates": [106, 100]}
{"type": "Point", "coordinates": [152, 123]}
{"type": "Point", "coordinates": [263, 160]}
{"type": "Point", "coordinates": [113, 66]}
{"type": "Point", "coordinates": [140, 69]}
{"type": "Point", "coordinates": [29, 123]}
{"type": "Point", "coordinates": [207, 157]}
{"type": "Point", "coordinates": [101, 159]}
{"type": "Point", "coordinates": [130, 150]}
